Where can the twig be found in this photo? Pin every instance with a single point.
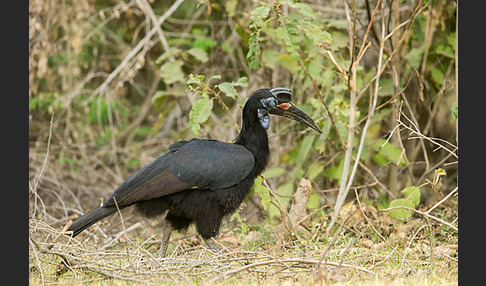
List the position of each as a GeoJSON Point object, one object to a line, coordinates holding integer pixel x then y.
{"type": "Point", "coordinates": [283, 212]}
{"type": "Point", "coordinates": [352, 114]}
{"type": "Point", "coordinates": [369, 222]}
{"type": "Point", "coordinates": [362, 49]}
{"type": "Point", "coordinates": [280, 262]}
{"type": "Point", "coordinates": [386, 257]}
{"type": "Point", "coordinates": [410, 243]}
{"type": "Point", "coordinates": [124, 231]}
{"type": "Point", "coordinates": [345, 182]}
{"type": "Point", "coordinates": [422, 136]}
{"type": "Point", "coordinates": [453, 192]}
{"type": "Point", "coordinates": [351, 244]}
{"type": "Point", "coordinates": [38, 176]}
{"type": "Point", "coordinates": [333, 60]}
{"type": "Point", "coordinates": [34, 246]}
{"type": "Point", "coordinates": [147, 9]}
{"type": "Point", "coordinates": [321, 98]}
{"type": "Point", "coordinates": [144, 110]}
{"type": "Point", "coordinates": [331, 243]}
{"type": "Point", "coordinates": [425, 214]}
{"type": "Point", "coordinates": [135, 50]}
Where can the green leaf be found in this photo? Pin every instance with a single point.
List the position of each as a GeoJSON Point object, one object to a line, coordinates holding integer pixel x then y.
{"type": "Point", "coordinates": [32, 103]}
{"type": "Point", "coordinates": [243, 82]}
{"type": "Point", "coordinates": [289, 35]}
{"type": "Point", "coordinates": [200, 113]}
{"type": "Point", "coordinates": [399, 213]}
{"type": "Point", "coordinates": [411, 200]}
{"type": "Point", "coordinates": [414, 57]}
{"type": "Point", "coordinates": [303, 9]}
{"type": "Point", "coordinates": [159, 98]}
{"type": "Point", "coordinates": [314, 201]}
{"type": "Point", "coordinates": [288, 62]}
{"type": "Point", "coordinates": [259, 14]}
{"type": "Point", "coordinates": [334, 172]}
{"type": "Point", "coordinates": [171, 53]}
{"type": "Point", "coordinates": [273, 172]}
{"type": "Point", "coordinates": [305, 148]}
{"type": "Point", "coordinates": [284, 194]}
{"type": "Point", "coordinates": [326, 128]}
{"type": "Point", "coordinates": [195, 79]}
{"type": "Point", "coordinates": [413, 194]}
{"type": "Point", "coordinates": [270, 58]}
{"type": "Point", "coordinates": [386, 87]}
{"type": "Point", "coordinates": [228, 89]}
{"type": "Point", "coordinates": [204, 43]}
{"type": "Point", "coordinates": [254, 51]}
{"type": "Point", "coordinates": [314, 170]}
{"type": "Point", "coordinates": [454, 111]}
{"type": "Point", "coordinates": [388, 153]}
{"type": "Point", "coordinates": [446, 51]}
{"type": "Point", "coordinates": [171, 72]}
{"type": "Point", "coordinates": [257, 17]}
{"type": "Point", "coordinates": [217, 76]}
{"type": "Point", "coordinates": [262, 191]}
{"type": "Point", "coordinates": [317, 35]}
{"type": "Point", "coordinates": [438, 76]}
{"type": "Point", "coordinates": [199, 54]}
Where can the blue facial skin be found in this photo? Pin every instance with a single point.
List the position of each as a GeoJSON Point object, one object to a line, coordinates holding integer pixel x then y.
{"type": "Point", "coordinates": [270, 102]}
{"type": "Point", "coordinates": [264, 118]}
{"type": "Point", "coordinates": [262, 114]}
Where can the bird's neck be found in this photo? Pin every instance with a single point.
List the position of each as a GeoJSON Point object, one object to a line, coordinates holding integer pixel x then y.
{"type": "Point", "coordinates": [254, 138]}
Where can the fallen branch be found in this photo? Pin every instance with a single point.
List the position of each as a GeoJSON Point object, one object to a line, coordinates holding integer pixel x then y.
{"type": "Point", "coordinates": [281, 262]}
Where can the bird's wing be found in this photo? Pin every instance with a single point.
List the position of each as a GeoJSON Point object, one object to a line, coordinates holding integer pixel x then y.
{"type": "Point", "coordinates": [212, 164]}
{"type": "Point", "coordinates": [195, 164]}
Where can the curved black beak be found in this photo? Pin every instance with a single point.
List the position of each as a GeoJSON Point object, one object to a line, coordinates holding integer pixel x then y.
{"type": "Point", "coordinates": [287, 109]}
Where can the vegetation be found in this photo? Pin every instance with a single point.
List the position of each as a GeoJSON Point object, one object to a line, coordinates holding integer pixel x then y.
{"type": "Point", "coordinates": [371, 200]}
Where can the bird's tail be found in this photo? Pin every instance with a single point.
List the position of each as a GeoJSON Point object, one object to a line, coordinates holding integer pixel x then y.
{"type": "Point", "coordinates": [89, 219]}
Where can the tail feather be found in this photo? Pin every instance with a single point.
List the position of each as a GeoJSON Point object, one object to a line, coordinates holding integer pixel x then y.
{"type": "Point", "coordinates": [89, 219]}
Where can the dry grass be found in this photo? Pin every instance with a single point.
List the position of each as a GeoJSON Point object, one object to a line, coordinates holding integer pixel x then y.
{"type": "Point", "coordinates": [132, 259]}
{"type": "Point", "coordinates": [370, 248]}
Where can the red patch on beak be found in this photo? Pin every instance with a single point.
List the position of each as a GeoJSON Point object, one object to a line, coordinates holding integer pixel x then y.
{"type": "Point", "coordinates": [284, 106]}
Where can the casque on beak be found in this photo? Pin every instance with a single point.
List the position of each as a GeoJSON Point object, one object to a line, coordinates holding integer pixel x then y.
{"type": "Point", "coordinates": [286, 108]}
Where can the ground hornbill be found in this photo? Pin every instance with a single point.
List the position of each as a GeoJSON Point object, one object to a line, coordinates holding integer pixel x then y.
{"type": "Point", "coordinates": [202, 180]}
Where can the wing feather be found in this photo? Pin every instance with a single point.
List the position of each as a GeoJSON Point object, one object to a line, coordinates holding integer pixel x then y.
{"type": "Point", "coordinates": [199, 163]}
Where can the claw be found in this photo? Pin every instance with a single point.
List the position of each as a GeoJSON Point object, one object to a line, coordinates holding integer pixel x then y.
{"type": "Point", "coordinates": [213, 246]}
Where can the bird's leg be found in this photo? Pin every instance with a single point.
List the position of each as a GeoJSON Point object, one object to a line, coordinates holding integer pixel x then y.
{"type": "Point", "coordinates": [214, 247]}
{"type": "Point", "coordinates": [166, 231]}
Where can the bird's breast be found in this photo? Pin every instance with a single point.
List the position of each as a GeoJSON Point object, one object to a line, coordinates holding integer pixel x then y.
{"type": "Point", "coordinates": [231, 198]}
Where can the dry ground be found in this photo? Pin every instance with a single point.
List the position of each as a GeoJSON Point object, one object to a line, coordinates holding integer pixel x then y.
{"type": "Point", "coordinates": [369, 249]}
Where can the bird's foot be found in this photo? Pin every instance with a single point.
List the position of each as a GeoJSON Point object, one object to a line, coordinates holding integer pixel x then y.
{"type": "Point", "coordinates": [213, 246]}
{"type": "Point", "coordinates": [165, 240]}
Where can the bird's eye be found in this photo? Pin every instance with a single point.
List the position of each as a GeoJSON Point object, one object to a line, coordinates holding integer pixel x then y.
{"type": "Point", "coordinates": [269, 102]}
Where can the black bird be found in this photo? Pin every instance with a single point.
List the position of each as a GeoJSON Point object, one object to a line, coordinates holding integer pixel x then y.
{"type": "Point", "coordinates": [202, 180]}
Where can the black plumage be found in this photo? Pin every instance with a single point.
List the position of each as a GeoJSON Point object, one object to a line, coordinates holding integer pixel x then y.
{"type": "Point", "coordinates": [202, 180]}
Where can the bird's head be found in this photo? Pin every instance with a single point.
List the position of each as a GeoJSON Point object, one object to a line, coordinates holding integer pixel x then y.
{"type": "Point", "coordinates": [278, 101]}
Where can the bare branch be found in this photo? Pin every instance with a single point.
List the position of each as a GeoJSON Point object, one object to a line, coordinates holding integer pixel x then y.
{"type": "Point", "coordinates": [137, 48]}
